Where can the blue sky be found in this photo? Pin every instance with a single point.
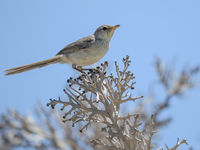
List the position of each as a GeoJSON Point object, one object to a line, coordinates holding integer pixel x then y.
{"type": "Point", "coordinates": [36, 30]}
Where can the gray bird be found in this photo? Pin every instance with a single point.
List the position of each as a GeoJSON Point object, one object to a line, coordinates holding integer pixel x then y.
{"type": "Point", "coordinates": [83, 52]}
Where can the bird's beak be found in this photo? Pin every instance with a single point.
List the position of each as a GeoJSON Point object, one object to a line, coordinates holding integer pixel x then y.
{"type": "Point", "coordinates": [115, 27]}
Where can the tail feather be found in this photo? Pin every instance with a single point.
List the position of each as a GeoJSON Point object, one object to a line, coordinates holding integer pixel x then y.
{"type": "Point", "coordinates": [35, 65]}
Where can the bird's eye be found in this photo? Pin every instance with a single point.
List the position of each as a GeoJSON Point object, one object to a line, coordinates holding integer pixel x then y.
{"type": "Point", "coordinates": [104, 28]}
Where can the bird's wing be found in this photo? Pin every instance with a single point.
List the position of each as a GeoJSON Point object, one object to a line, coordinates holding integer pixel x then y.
{"type": "Point", "coordinates": [81, 44]}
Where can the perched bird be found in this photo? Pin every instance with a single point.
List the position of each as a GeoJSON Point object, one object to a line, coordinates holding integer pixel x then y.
{"type": "Point", "coordinates": [83, 52]}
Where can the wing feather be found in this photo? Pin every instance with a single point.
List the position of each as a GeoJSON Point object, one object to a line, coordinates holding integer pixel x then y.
{"type": "Point", "coordinates": [81, 44]}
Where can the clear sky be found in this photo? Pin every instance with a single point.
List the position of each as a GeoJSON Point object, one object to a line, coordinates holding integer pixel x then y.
{"type": "Point", "coordinates": [35, 30]}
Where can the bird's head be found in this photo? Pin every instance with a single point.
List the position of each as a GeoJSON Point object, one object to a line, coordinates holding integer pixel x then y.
{"type": "Point", "coordinates": [105, 32]}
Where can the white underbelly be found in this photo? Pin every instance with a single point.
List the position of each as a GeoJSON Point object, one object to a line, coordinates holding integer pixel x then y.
{"type": "Point", "coordinates": [85, 57]}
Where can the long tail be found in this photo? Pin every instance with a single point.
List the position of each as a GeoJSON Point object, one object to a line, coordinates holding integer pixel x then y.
{"type": "Point", "coordinates": [35, 65]}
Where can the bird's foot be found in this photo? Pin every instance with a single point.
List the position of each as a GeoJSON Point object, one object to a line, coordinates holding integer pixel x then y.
{"type": "Point", "coordinates": [80, 69]}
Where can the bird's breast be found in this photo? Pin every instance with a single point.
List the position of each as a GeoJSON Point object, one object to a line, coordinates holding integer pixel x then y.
{"type": "Point", "coordinates": [90, 55]}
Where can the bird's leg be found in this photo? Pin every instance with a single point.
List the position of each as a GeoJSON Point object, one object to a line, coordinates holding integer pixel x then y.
{"type": "Point", "coordinates": [78, 68]}
{"type": "Point", "coordinates": [86, 69]}
{"type": "Point", "coordinates": [91, 70]}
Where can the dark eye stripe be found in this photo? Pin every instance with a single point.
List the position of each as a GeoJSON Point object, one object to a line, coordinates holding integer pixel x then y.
{"type": "Point", "coordinates": [104, 28]}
